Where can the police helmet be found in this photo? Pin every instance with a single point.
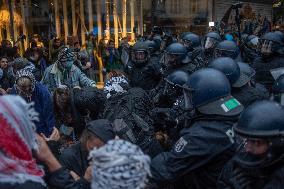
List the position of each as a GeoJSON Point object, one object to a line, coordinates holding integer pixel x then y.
{"type": "Point", "coordinates": [177, 78]}
{"type": "Point", "coordinates": [191, 41]}
{"type": "Point", "coordinates": [246, 74]}
{"type": "Point", "coordinates": [227, 49]}
{"type": "Point", "coordinates": [211, 40]}
{"type": "Point", "coordinates": [176, 53]}
{"type": "Point", "coordinates": [271, 43]}
{"type": "Point", "coordinates": [157, 30]}
{"type": "Point", "coordinates": [175, 82]}
{"type": "Point", "coordinates": [140, 53]}
{"type": "Point", "coordinates": [210, 93]}
{"type": "Point", "coordinates": [261, 121]}
{"type": "Point", "coordinates": [228, 66]}
{"type": "Point", "coordinates": [158, 40]}
{"type": "Point", "coordinates": [152, 46]}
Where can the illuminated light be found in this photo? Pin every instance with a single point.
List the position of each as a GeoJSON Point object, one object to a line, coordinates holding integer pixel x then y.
{"type": "Point", "coordinates": [211, 24]}
{"type": "Point", "coordinates": [5, 18]}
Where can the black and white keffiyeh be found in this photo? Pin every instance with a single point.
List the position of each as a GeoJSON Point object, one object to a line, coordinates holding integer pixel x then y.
{"type": "Point", "coordinates": [119, 165]}
{"type": "Point", "coordinates": [116, 84]}
{"type": "Point", "coordinates": [65, 54]}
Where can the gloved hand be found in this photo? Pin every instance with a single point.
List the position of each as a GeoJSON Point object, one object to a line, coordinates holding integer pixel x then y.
{"type": "Point", "coordinates": [240, 180]}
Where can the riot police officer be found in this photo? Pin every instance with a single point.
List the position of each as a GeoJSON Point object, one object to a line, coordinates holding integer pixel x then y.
{"type": "Point", "coordinates": [174, 108]}
{"type": "Point", "coordinates": [193, 45]}
{"type": "Point", "coordinates": [250, 49]}
{"type": "Point", "coordinates": [196, 159]}
{"type": "Point", "coordinates": [210, 41]}
{"type": "Point", "coordinates": [258, 162]}
{"type": "Point", "coordinates": [240, 76]}
{"type": "Point", "coordinates": [175, 57]}
{"type": "Point", "coordinates": [227, 48]}
{"type": "Point", "coordinates": [272, 58]}
{"type": "Point", "coordinates": [142, 72]}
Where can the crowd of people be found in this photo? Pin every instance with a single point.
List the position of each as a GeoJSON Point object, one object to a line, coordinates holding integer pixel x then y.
{"type": "Point", "coordinates": [176, 111]}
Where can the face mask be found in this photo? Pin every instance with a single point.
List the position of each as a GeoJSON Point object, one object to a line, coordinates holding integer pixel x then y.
{"type": "Point", "coordinates": [67, 65]}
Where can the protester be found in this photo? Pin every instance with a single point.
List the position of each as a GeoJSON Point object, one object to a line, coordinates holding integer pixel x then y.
{"type": "Point", "coordinates": [20, 148]}
{"type": "Point", "coordinates": [96, 134]}
{"type": "Point", "coordinates": [63, 72]}
{"type": "Point", "coordinates": [119, 164]}
{"type": "Point", "coordinates": [32, 91]}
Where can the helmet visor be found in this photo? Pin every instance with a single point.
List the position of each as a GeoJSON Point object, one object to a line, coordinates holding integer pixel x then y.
{"type": "Point", "coordinates": [209, 43]}
{"type": "Point", "coordinates": [140, 56]}
{"type": "Point", "coordinates": [253, 44]}
{"type": "Point", "coordinates": [252, 152]}
{"type": "Point", "coordinates": [172, 59]}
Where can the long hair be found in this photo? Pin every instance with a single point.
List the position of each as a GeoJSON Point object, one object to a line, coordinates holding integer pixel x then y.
{"type": "Point", "coordinates": [67, 107]}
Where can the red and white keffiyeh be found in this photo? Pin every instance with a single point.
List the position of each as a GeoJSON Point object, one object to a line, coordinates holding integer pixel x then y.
{"type": "Point", "coordinates": [17, 140]}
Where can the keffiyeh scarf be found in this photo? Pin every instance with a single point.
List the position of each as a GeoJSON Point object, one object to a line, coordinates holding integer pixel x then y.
{"type": "Point", "coordinates": [17, 140]}
{"type": "Point", "coordinates": [119, 165]}
{"type": "Point", "coordinates": [116, 84]}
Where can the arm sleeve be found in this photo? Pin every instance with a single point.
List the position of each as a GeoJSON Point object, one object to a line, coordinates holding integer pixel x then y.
{"type": "Point", "coordinates": [85, 81]}
{"type": "Point", "coordinates": [61, 179]}
{"type": "Point", "coordinates": [48, 111]}
{"type": "Point", "coordinates": [197, 146]}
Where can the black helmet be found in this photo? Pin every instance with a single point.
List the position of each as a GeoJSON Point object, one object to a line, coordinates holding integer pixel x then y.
{"type": "Point", "coordinates": [271, 43]}
{"type": "Point", "coordinates": [227, 49]}
{"type": "Point", "coordinates": [184, 34]}
{"type": "Point", "coordinates": [278, 90]}
{"type": "Point", "coordinates": [140, 53]}
{"type": "Point", "coordinates": [246, 74]}
{"type": "Point", "coordinates": [158, 40]}
{"type": "Point", "coordinates": [228, 66]}
{"type": "Point", "coordinates": [152, 46]}
{"type": "Point", "coordinates": [157, 30]}
{"type": "Point", "coordinates": [210, 93]}
{"type": "Point", "coordinates": [177, 78]}
{"type": "Point", "coordinates": [261, 120]}
{"type": "Point", "coordinates": [191, 41]}
{"type": "Point", "coordinates": [176, 53]}
{"type": "Point", "coordinates": [167, 40]}
{"type": "Point", "coordinates": [175, 82]}
{"type": "Point", "coordinates": [211, 40]}
{"type": "Point", "coordinates": [250, 47]}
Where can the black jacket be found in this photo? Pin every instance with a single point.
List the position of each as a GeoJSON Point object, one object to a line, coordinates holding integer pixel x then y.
{"type": "Point", "coordinates": [146, 77]}
{"type": "Point", "coordinates": [59, 179]}
{"type": "Point", "coordinates": [75, 158]}
{"type": "Point", "coordinates": [86, 105]}
{"type": "Point", "coordinates": [26, 185]}
{"type": "Point", "coordinates": [234, 176]}
{"type": "Point", "coordinates": [248, 94]}
{"type": "Point", "coordinates": [264, 66]}
{"type": "Point", "coordinates": [198, 156]}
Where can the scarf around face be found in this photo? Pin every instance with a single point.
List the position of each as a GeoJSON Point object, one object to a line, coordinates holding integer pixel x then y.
{"type": "Point", "coordinates": [17, 140]}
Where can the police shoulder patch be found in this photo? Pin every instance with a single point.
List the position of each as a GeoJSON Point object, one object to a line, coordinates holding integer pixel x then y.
{"type": "Point", "coordinates": [180, 144]}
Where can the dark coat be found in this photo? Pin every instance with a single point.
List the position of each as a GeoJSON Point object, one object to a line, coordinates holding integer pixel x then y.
{"type": "Point", "coordinates": [197, 158]}
{"type": "Point", "coordinates": [44, 106]}
{"type": "Point", "coordinates": [75, 158]}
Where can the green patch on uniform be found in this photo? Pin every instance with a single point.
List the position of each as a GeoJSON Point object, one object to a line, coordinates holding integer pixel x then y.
{"type": "Point", "coordinates": [230, 105]}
